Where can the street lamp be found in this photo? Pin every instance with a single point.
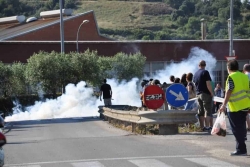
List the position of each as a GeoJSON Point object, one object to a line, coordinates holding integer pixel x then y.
{"type": "Point", "coordinates": [84, 21]}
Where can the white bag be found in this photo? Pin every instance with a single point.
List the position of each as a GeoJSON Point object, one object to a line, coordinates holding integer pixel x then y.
{"type": "Point", "coordinates": [220, 127]}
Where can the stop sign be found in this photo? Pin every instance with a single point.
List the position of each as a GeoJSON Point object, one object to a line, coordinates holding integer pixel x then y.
{"type": "Point", "coordinates": [153, 97]}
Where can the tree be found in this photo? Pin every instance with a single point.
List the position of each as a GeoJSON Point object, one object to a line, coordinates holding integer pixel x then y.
{"type": "Point", "coordinates": [5, 84]}
{"type": "Point", "coordinates": [224, 13]}
{"type": "Point", "coordinates": [175, 14]}
{"type": "Point", "coordinates": [126, 67]}
{"type": "Point", "coordinates": [105, 67]}
{"type": "Point", "coordinates": [193, 25]}
{"type": "Point", "coordinates": [161, 35]}
{"type": "Point", "coordinates": [181, 21]}
{"type": "Point", "coordinates": [52, 4]}
{"type": "Point", "coordinates": [65, 70]}
{"type": "Point", "coordinates": [246, 5]}
{"type": "Point", "coordinates": [187, 7]}
{"type": "Point", "coordinates": [11, 8]}
{"type": "Point", "coordinates": [86, 67]}
{"type": "Point", "coordinates": [17, 79]}
{"type": "Point", "coordinates": [70, 4]}
{"type": "Point", "coordinates": [43, 68]}
{"type": "Point", "coordinates": [240, 29]}
{"type": "Point", "coordinates": [174, 3]}
{"type": "Point", "coordinates": [214, 27]}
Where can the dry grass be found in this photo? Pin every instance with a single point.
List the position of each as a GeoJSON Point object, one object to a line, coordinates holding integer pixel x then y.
{"type": "Point", "coordinates": [151, 129]}
{"type": "Point", "coordinates": [126, 14]}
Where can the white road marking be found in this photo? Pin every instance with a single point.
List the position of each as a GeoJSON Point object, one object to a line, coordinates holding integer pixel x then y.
{"type": "Point", "coordinates": [148, 163]}
{"type": "Point", "coordinates": [104, 159]}
{"type": "Point", "coordinates": [210, 162]}
{"type": "Point", "coordinates": [27, 166]}
{"type": "Point", "coordinates": [88, 164]}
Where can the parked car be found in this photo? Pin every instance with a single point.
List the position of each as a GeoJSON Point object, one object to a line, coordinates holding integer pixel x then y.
{"type": "Point", "coordinates": [2, 123]}
{"type": "Point", "coordinates": [2, 140]}
{"type": "Point", "coordinates": [2, 143]}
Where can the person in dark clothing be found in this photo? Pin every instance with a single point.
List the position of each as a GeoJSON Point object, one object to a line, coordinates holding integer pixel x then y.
{"type": "Point", "coordinates": [183, 80]}
{"type": "Point", "coordinates": [205, 95]}
{"type": "Point", "coordinates": [172, 78]}
{"type": "Point", "coordinates": [177, 80]}
{"type": "Point", "coordinates": [190, 86]}
{"type": "Point", "coordinates": [106, 91]}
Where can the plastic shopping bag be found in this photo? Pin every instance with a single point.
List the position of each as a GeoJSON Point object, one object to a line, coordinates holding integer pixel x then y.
{"type": "Point", "coordinates": [220, 127]}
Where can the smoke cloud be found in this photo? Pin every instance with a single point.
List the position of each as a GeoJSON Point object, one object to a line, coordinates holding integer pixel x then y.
{"type": "Point", "coordinates": [187, 65]}
{"type": "Point", "coordinates": [78, 100]}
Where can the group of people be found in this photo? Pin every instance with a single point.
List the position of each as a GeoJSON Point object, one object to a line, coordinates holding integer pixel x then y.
{"type": "Point", "coordinates": [236, 98]}
{"type": "Point", "coordinates": [237, 101]}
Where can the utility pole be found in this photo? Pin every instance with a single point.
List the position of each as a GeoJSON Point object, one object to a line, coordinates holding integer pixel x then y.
{"type": "Point", "coordinates": [62, 35]}
{"type": "Point", "coordinates": [61, 27]}
{"type": "Point", "coordinates": [231, 29]}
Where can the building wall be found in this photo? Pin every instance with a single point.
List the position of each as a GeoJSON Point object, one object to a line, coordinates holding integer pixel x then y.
{"type": "Point", "coordinates": [88, 31]}
{"type": "Point", "coordinates": [153, 50]}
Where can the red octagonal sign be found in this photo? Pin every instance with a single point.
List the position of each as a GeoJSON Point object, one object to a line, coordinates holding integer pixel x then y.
{"type": "Point", "coordinates": [154, 97]}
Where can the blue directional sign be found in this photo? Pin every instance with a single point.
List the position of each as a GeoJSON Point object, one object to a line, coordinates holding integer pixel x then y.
{"type": "Point", "coordinates": [177, 95]}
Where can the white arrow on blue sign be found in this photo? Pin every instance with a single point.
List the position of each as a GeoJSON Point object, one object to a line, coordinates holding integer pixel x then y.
{"type": "Point", "coordinates": [177, 95]}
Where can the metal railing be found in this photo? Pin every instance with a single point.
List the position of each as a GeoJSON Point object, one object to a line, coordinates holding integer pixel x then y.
{"type": "Point", "coordinates": [168, 120]}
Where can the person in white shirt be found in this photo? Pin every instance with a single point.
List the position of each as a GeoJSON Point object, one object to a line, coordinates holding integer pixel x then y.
{"type": "Point", "coordinates": [219, 92]}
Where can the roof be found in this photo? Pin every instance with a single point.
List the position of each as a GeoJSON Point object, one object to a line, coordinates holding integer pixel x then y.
{"type": "Point", "coordinates": [9, 31]}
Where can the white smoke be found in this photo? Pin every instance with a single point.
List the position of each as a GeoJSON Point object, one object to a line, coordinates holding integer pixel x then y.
{"type": "Point", "coordinates": [78, 100]}
{"type": "Point", "coordinates": [187, 65]}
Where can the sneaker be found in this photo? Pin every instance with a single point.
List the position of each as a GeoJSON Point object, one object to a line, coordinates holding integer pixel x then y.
{"type": "Point", "coordinates": [235, 153]}
{"type": "Point", "coordinates": [210, 128]}
{"type": "Point", "coordinates": [205, 129]}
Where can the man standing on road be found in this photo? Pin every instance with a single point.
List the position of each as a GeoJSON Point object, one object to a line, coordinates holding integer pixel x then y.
{"type": "Point", "coordinates": [236, 96]}
{"type": "Point", "coordinates": [205, 95]}
{"type": "Point", "coordinates": [106, 91]}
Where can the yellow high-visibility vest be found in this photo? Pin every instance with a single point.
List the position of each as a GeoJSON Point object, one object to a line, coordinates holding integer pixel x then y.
{"type": "Point", "coordinates": [239, 98]}
{"type": "Point", "coordinates": [248, 92]}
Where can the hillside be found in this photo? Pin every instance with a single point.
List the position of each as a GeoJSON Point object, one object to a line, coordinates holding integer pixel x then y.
{"type": "Point", "coordinates": [126, 14]}
{"type": "Point", "coordinates": [149, 19]}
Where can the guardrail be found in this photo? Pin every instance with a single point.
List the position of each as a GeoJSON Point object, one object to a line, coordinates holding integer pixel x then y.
{"type": "Point", "coordinates": [168, 120]}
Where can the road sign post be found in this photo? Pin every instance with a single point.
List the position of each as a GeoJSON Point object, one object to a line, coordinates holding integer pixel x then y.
{"type": "Point", "coordinates": [177, 95]}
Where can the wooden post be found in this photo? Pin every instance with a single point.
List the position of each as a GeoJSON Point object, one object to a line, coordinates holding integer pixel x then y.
{"type": "Point", "coordinates": [133, 127]}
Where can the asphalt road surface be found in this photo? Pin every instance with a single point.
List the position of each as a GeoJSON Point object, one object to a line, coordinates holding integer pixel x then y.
{"type": "Point", "coordinates": [91, 142]}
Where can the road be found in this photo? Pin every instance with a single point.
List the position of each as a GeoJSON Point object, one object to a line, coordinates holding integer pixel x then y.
{"type": "Point", "coordinates": [91, 142]}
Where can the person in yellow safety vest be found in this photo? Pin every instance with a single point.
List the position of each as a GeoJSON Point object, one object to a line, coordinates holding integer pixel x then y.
{"type": "Point", "coordinates": [238, 101]}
